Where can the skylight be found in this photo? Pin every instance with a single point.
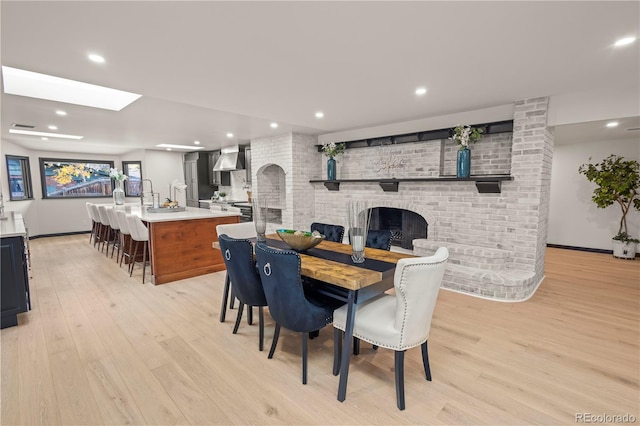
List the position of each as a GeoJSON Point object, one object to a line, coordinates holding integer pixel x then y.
{"type": "Point", "coordinates": [42, 86]}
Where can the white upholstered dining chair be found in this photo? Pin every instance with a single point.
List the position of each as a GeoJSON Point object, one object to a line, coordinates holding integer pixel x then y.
{"type": "Point", "coordinates": [402, 320]}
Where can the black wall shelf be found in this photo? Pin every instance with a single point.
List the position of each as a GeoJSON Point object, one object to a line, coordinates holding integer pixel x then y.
{"type": "Point", "coordinates": [486, 184]}
{"type": "Point", "coordinates": [423, 136]}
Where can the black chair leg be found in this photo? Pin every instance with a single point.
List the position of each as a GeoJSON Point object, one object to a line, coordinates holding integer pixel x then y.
{"type": "Point", "coordinates": [374, 347]}
{"type": "Point", "coordinates": [425, 361]}
{"type": "Point", "coordinates": [232, 302]}
{"type": "Point", "coordinates": [356, 346]}
{"type": "Point", "coordinates": [249, 315]}
{"type": "Point", "coordinates": [144, 259]}
{"type": "Point", "coordinates": [337, 350]}
{"type": "Point", "coordinates": [261, 327]}
{"type": "Point", "coordinates": [238, 317]}
{"type": "Point", "coordinates": [274, 343]}
{"type": "Point", "coordinates": [225, 298]}
{"type": "Point", "coordinates": [133, 262]}
{"type": "Point", "coordinates": [304, 358]}
{"type": "Point", "coordinates": [400, 379]}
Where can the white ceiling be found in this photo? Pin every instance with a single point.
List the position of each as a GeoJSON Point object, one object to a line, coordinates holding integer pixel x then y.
{"type": "Point", "coordinates": [208, 68]}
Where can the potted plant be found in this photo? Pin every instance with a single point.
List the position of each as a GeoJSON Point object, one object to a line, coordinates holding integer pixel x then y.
{"type": "Point", "coordinates": [618, 182]}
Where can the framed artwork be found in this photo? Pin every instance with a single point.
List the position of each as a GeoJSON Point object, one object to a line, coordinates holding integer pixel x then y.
{"type": "Point", "coordinates": [133, 185]}
{"type": "Point", "coordinates": [64, 178]}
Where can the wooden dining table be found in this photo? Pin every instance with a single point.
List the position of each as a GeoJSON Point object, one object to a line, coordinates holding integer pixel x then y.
{"type": "Point", "coordinates": [344, 280]}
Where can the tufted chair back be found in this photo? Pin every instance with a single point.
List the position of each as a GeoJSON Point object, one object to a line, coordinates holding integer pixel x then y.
{"type": "Point", "coordinates": [417, 282]}
{"type": "Point", "coordinates": [380, 239]}
{"type": "Point", "coordinates": [331, 232]}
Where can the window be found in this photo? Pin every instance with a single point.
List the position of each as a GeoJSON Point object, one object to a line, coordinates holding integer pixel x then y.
{"type": "Point", "coordinates": [133, 185]}
{"type": "Point", "coordinates": [19, 178]}
{"type": "Point", "coordinates": [75, 178]}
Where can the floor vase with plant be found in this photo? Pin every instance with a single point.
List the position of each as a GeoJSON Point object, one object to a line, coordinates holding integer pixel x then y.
{"type": "Point", "coordinates": [618, 182]}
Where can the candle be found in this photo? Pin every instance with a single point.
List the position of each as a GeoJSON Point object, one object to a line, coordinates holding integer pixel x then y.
{"type": "Point", "coordinates": [358, 243]}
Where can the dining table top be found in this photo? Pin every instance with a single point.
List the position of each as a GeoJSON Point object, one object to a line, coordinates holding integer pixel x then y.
{"type": "Point", "coordinates": [350, 276]}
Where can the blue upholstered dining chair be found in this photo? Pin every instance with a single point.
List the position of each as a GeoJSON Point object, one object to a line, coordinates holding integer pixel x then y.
{"type": "Point", "coordinates": [402, 320]}
{"type": "Point", "coordinates": [247, 287]}
{"type": "Point", "coordinates": [242, 230]}
{"type": "Point", "coordinates": [331, 232]}
{"type": "Point", "coordinates": [288, 305]}
{"type": "Point", "coordinates": [380, 239]}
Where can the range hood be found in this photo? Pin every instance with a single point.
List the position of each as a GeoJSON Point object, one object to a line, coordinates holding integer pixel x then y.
{"type": "Point", "coordinates": [229, 161]}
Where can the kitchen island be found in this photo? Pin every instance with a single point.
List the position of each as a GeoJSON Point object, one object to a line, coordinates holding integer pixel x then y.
{"type": "Point", "coordinates": [180, 242]}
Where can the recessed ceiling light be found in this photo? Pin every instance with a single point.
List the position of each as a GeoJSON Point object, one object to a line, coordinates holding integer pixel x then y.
{"type": "Point", "coordinates": [274, 125]}
{"type": "Point", "coordinates": [612, 124]}
{"type": "Point", "coordinates": [35, 85]}
{"type": "Point", "coordinates": [187, 147]}
{"type": "Point", "coordinates": [229, 135]}
{"type": "Point", "coordinates": [625, 41]}
{"type": "Point", "coordinates": [45, 139]}
{"type": "Point", "coordinates": [96, 58]}
{"type": "Point", "coordinates": [196, 142]}
{"type": "Point", "coordinates": [61, 112]}
{"type": "Point", "coordinates": [421, 91]}
{"type": "Point", "coordinates": [52, 127]}
{"type": "Point", "coordinates": [319, 114]}
{"type": "Point", "coordinates": [51, 135]}
{"type": "Point", "coordinates": [168, 149]}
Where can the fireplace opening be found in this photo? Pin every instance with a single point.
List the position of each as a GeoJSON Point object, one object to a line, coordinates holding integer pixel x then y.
{"type": "Point", "coordinates": [405, 225]}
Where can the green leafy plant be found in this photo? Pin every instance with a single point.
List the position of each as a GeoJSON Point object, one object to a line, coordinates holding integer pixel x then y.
{"type": "Point", "coordinates": [464, 135]}
{"type": "Point", "coordinates": [618, 182]}
{"type": "Point", "coordinates": [333, 149]}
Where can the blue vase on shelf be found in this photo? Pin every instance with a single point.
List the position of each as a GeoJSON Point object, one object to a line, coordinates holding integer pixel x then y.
{"type": "Point", "coordinates": [464, 163]}
{"type": "Point", "coordinates": [331, 169]}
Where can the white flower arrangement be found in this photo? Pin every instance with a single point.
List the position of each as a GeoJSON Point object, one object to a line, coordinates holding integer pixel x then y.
{"type": "Point", "coordinates": [464, 135]}
{"type": "Point", "coordinates": [118, 175]}
{"type": "Point", "coordinates": [333, 149]}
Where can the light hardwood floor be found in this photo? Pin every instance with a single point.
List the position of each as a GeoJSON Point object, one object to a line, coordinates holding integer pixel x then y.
{"type": "Point", "coordinates": [102, 348]}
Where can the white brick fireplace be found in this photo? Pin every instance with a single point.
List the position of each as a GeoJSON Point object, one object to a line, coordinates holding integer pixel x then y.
{"type": "Point", "coordinates": [496, 241]}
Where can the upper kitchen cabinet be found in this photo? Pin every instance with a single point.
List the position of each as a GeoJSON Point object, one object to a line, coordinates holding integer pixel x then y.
{"type": "Point", "coordinates": [217, 178]}
{"type": "Point", "coordinates": [196, 173]}
{"type": "Point", "coordinates": [247, 164]}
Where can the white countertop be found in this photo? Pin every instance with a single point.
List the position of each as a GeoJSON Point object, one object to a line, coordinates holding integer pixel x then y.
{"type": "Point", "coordinates": [189, 214]}
{"type": "Point", "coordinates": [13, 226]}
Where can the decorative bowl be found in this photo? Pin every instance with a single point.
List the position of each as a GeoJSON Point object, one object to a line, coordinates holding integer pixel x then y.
{"type": "Point", "coordinates": [300, 240]}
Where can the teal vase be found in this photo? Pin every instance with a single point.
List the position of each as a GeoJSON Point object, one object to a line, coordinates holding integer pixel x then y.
{"type": "Point", "coordinates": [464, 163]}
{"type": "Point", "coordinates": [331, 169]}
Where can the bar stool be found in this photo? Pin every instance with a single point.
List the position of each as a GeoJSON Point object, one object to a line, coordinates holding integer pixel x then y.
{"type": "Point", "coordinates": [95, 216]}
{"type": "Point", "coordinates": [93, 222]}
{"type": "Point", "coordinates": [139, 233]}
{"type": "Point", "coordinates": [121, 217]}
{"type": "Point", "coordinates": [106, 227]}
{"type": "Point", "coordinates": [115, 227]}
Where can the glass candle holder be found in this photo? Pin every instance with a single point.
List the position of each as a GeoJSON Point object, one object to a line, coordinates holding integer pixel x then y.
{"type": "Point", "coordinates": [259, 205]}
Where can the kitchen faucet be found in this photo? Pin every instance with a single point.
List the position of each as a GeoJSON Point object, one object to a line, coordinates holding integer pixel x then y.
{"type": "Point", "coordinates": [142, 190]}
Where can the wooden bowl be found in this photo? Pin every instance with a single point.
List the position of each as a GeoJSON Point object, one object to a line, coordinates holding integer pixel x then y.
{"type": "Point", "coordinates": [299, 240]}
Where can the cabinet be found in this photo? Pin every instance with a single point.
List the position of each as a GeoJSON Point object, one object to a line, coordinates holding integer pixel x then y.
{"type": "Point", "coordinates": [217, 178]}
{"type": "Point", "coordinates": [15, 280]}
{"type": "Point", "coordinates": [247, 164]}
{"type": "Point", "coordinates": [191, 179]}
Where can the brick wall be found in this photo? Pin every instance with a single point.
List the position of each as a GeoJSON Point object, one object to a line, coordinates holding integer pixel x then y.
{"type": "Point", "coordinates": [512, 222]}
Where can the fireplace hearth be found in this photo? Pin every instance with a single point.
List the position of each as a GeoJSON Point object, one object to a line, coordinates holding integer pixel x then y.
{"type": "Point", "coordinates": [405, 225]}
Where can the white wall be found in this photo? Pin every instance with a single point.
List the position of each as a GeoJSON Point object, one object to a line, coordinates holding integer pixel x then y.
{"type": "Point", "coordinates": [50, 216]}
{"type": "Point", "coordinates": [575, 220]}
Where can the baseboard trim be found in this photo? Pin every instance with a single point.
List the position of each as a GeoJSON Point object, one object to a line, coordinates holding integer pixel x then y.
{"type": "Point", "coordinates": [592, 250]}
{"type": "Point", "coordinates": [62, 234]}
